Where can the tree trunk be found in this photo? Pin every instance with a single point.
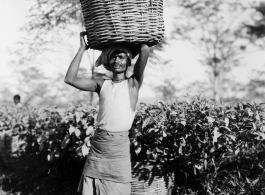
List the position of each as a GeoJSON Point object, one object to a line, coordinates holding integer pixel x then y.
{"type": "Point", "coordinates": [216, 89]}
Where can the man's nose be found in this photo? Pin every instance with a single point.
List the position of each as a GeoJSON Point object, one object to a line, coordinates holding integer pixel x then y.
{"type": "Point", "coordinates": [116, 59]}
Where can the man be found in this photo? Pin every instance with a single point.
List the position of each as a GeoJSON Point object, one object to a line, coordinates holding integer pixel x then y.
{"type": "Point", "coordinates": [107, 170]}
{"type": "Point", "coordinates": [17, 101]}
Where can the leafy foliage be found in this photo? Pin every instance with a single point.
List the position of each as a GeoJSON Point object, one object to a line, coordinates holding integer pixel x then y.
{"type": "Point", "coordinates": [56, 144]}
{"type": "Point", "coordinates": [211, 147]}
{"type": "Point", "coordinates": [256, 30]}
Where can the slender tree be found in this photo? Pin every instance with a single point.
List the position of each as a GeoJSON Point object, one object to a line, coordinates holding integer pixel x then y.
{"type": "Point", "coordinates": [48, 18]}
{"type": "Point", "coordinates": [215, 29]}
{"type": "Point", "coordinates": [51, 22]}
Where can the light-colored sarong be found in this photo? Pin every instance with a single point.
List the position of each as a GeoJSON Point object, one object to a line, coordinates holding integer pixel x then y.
{"type": "Point", "coordinates": [107, 169]}
{"type": "Point", "coordinates": [92, 186]}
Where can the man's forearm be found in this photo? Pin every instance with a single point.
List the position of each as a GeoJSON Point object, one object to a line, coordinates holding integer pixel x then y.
{"type": "Point", "coordinates": [141, 62]}
{"type": "Point", "coordinates": [74, 66]}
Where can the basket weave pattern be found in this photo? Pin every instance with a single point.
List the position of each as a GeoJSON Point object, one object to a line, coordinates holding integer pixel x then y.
{"type": "Point", "coordinates": [120, 21]}
{"type": "Point", "coordinates": [147, 180]}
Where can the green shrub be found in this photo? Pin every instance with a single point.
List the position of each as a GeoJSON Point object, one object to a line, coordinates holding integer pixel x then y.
{"type": "Point", "coordinates": [56, 146]}
{"type": "Point", "coordinates": [210, 147]}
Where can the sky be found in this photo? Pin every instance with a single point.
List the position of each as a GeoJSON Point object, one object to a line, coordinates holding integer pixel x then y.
{"type": "Point", "coordinates": [185, 59]}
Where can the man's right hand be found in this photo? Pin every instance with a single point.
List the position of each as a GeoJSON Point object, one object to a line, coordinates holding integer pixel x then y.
{"type": "Point", "coordinates": [83, 44]}
{"type": "Point", "coordinates": [85, 84]}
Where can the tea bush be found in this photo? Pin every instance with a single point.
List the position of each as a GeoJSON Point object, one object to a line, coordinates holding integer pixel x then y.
{"type": "Point", "coordinates": [54, 147]}
{"type": "Point", "coordinates": [210, 147]}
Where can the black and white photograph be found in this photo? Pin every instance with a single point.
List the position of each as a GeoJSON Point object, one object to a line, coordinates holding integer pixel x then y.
{"type": "Point", "coordinates": [132, 97]}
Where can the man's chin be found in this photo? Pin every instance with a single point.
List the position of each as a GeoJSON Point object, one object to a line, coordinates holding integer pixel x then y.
{"type": "Point", "coordinates": [118, 71]}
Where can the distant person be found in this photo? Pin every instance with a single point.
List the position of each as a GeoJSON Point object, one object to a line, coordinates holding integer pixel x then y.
{"type": "Point", "coordinates": [17, 101]}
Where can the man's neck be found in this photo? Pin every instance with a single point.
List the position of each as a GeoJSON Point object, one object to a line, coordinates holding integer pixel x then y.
{"type": "Point", "coordinates": [118, 77]}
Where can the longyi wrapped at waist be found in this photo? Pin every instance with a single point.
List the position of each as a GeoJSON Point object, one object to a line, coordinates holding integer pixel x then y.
{"type": "Point", "coordinates": [111, 145]}
{"type": "Point", "coordinates": [109, 157]}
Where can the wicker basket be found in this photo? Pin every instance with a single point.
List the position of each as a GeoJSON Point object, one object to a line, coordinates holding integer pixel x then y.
{"type": "Point", "coordinates": [150, 180]}
{"type": "Point", "coordinates": [119, 21]}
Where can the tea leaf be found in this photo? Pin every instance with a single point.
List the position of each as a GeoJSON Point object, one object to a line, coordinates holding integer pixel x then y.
{"type": "Point", "coordinates": [89, 130]}
{"type": "Point", "coordinates": [77, 132]}
{"type": "Point", "coordinates": [78, 117]}
{"type": "Point", "coordinates": [138, 149]}
{"type": "Point", "coordinates": [226, 122]}
{"type": "Point", "coordinates": [85, 150]}
{"type": "Point", "coordinates": [71, 129]}
{"type": "Point", "coordinates": [146, 122]}
{"type": "Point", "coordinates": [216, 134]}
{"type": "Point", "coordinates": [210, 119]}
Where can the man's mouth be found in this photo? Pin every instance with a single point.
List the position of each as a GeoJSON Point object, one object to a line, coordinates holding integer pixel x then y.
{"type": "Point", "coordinates": [116, 66]}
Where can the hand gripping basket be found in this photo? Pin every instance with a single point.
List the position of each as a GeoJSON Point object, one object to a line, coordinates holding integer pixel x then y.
{"type": "Point", "coordinates": [150, 179]}
{"type": "Point", "coordinates": [123, 21]}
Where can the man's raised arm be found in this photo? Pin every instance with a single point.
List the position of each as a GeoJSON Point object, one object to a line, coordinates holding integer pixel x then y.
{"type": "Point", "coordinates": [141, 64]}
{"type": "Point", "coordinates": [71, 78]}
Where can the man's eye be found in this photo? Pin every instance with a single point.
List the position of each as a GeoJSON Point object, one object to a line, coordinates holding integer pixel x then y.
{"type": "Point", "coordinates": [122, 57]}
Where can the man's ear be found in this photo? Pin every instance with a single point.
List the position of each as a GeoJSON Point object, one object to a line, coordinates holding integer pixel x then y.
{"type": "Point", "coordinates": [129, 63]}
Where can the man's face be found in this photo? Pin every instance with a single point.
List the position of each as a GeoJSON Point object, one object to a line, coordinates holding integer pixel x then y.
{"type": "Point", "coordinates": [16, 100]}
{"type": "Point", "coordinates": [118, 61]}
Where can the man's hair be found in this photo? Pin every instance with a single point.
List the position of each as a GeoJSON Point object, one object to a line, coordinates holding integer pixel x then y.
{"type": "Point", "coordinates": [17, 97]}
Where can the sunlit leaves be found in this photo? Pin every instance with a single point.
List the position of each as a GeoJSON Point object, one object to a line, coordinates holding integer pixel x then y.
{"type": "Point", "coordinates": [216, 134]}
{"type": "Point", "coordinates": [77, 132]}
{"type": "Point", "coordinates": [146, 122]}
{"type": "Point", "coordinates": [65, 141]}
{"type": "Point", "coordinates": [210, 119]}
{"type": "Point", "coordinates": [89, 130]}
{"type": "Point", "coordinates": [214, 143]}
{"type": "Point", "coordinates": [50, 156]}
{"type": "Point", "coordinates": [71, 129]}
{"type": "Point", "coordinates": [226, 122]}
{"type": "Point", "coordinates": [203, 135]}
{"type": "Point", "coordinates": [138, 149]}
{"type": "Point", "coordinates": [82, 150]}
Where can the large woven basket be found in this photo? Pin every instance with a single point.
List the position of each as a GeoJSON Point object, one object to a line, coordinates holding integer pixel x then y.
{"type": "Point", "coordinates": [151, 180]}
{"type": "Point", "coordinates": [123, 21]}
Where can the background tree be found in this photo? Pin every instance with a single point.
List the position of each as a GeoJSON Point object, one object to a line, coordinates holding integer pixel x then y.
{"type": "Point", "coordinates": [165, 83]}
{"type": "Point", "coordinates": [256, 33]}
{"type": "Point", "coordinates": [50, 24]}
{"type": "Point", "coordinates": [47, 19]}
{"type": "Point", "coordinates": [215, 29]}
{"type": "Point", "coordinates": [256, 30]}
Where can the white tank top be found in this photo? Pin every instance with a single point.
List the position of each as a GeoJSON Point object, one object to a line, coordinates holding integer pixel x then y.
{"type": "Point", "coordinates": [115, 112]}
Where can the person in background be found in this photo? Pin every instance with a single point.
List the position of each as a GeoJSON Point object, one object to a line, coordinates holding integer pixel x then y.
{"type": "Point", "coordinates": [17, 101]}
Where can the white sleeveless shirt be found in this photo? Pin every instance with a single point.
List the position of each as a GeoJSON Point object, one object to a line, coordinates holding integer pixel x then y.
{"type": "Point", "coordinates": [115, 112]}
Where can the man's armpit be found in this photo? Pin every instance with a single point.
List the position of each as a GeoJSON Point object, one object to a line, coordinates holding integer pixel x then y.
{"type": "Point", "coordinates": [99, 83]}
{"type": "Point", "coordinates": [133, 82]}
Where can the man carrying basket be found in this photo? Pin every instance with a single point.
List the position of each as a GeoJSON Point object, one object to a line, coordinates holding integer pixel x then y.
{"type": "Point", "coordinates": [107, 170]}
